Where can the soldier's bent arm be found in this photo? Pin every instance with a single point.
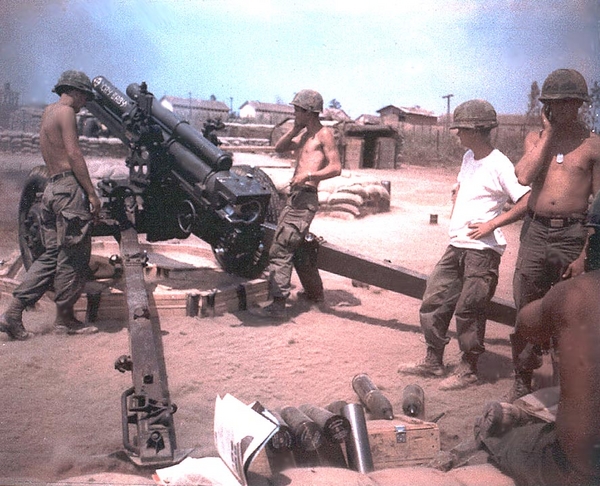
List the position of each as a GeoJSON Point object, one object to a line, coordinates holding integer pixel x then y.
{"type": "Point", "coordinates": [286, 143]}
{"type": "Point", "coordinates": [531, 165]}
{"type": "Point", "coordinates": [76, 160]}
{"type": "Point", "coordinates": [479, 230]}
{"type": "Point", "coordinates": [531, 324]}
{"type": "Point", "coordinates": [333, 166]}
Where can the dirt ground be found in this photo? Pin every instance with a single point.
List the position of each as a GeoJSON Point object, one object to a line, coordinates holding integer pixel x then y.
{"type": "Point", "coordinates": [60, 415]}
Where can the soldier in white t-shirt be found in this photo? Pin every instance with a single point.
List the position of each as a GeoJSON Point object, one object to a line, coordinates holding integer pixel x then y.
{"type": "Point", "coordinates": [464, 280]}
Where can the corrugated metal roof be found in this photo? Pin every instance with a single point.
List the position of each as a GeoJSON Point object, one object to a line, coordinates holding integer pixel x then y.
{"type": "Point", "coordinates": [336, 114]}
{"type": "Point", "coordinates": [413, 110]}
{"type": "Point", "coordinates": [269, 107]}
{"type": "Point", "coordinates": [187, 103]}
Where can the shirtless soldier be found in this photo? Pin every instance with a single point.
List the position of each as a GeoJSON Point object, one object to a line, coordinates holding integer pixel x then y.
{"type": "Point", "coordinates": [317, 159]}
{"type": "Point", "coordinates": [562, 165]}
{"type": "Point", "coordinates": [566, 452]}
{"type": "Point", "coordinates": [67, 200]}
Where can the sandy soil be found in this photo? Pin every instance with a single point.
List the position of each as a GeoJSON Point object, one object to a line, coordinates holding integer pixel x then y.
{"type": "Point", "coordinates": [60, 414]}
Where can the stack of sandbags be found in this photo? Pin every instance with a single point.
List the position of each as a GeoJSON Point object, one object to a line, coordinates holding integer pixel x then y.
{"type": "Point", "coordinates": [353, 196]}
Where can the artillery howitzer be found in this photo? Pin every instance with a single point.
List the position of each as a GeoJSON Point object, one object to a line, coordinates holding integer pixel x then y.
{"type": "Point", "coordinates": [179, 184]}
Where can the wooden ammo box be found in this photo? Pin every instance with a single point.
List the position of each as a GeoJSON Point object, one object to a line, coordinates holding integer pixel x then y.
{"type": "Point", "coordinates": [403, 441]}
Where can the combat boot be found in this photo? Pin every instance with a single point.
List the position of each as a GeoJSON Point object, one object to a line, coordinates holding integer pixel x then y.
{"type": "Point", "coordinates": [11, 322]}
{"type": "Point", "coordinates": [464, 375]}
{"type": "Point", "coordinates": [521, 386]}
{"type": "Point", "coordinates": [311, 297]}
{"type": "Point", "coordinates": [497, 419]}
{"type": "Point", "coordinates": [275, 310]}
{"type": "Point", "coordinates": [431, 365]}
{"type": "Point", "coordinates": [526, 358]}
{"type": "Point", "coordinates": [67, 323]}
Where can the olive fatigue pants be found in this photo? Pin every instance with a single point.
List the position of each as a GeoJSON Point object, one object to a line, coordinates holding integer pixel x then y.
{"type": "Point", "coordinates": [287, 248]}
{"type": "Point", "coordinates": [65, 232]}
{"type": "Point", "coordinates": [461, 284]}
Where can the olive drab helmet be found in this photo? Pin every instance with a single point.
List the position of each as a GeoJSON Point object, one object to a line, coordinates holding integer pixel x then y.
{"type": "Point", "coordinates": [564, 84]}
{"type": "Point", "coordinates": [308, 100]}
{"type": "Point", "coordinates": [475, 114]}
{"type": "Point", "coordinates": [74, 79]}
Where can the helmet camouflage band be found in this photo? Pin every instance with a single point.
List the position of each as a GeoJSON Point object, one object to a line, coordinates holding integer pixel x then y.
{"type": "Point", "coordinates": [309, 100]}
{"type": "Point", "coordinates": [74, 79]}
{"type": "Point", "coordinates": [475, 114]}
{"type": "Point", "coordinates": [564, 84]}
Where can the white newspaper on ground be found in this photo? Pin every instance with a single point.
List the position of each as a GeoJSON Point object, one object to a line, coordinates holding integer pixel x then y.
{"type": "Point", "coordinates": [240, 433]}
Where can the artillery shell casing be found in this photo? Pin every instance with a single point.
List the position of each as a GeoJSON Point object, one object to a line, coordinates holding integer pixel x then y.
{"type": "Point", "coordinates": [372, 397]}
{"type": "Point", "coordinates": [358, 448]}
{"type": "Point", "coordinates": [413, 401]}
{"type": "Point", "coordinates": [330, 454]}
{"type": "Point", "coordinates": [307, 434]}
{"type": "Point", "coordinates": [336, 428]}
{"type": "Point", "coordinates": [283, 439]}
{"type": "Point", "coordinates": [336, 407]}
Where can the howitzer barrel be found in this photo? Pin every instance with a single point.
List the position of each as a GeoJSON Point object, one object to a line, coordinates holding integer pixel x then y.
{"type": "Point", "coordinates": [194, 156]}
{"type": "Point", "coordinates": [117, 106]}
{"type": "Point", "coordinates": [181, 131]}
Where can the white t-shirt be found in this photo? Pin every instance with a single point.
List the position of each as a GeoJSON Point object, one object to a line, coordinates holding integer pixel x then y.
{"type": "Point", "coordinates": [485, 187]}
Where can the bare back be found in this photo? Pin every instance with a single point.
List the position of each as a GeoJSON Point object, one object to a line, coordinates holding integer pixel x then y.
{"type": "Point", "coordinates": [58, 136]}
{"type": "Point", "coordinates": [573, 309]}
{"type": "Point", "coordinates": [571, 174]}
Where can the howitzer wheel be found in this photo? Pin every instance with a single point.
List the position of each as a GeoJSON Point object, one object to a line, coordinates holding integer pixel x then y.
{"type": "Point", "coordinates": [30, 215]}
{"type": "Point", "coordinates": [250, 264]}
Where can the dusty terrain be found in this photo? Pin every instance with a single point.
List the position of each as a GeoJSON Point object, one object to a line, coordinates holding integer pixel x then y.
{"type": "Point", "coordinates": [60, 414]}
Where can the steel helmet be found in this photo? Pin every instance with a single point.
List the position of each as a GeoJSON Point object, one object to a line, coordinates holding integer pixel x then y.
{"type": "Point", "coordinates": [309, 100]}
{"type": "Point", "coordinates": [474, 114]}
{"type": "Point", "coordinates": [564, 84]}
{"type": "Point", "coordinates": [74, 79]}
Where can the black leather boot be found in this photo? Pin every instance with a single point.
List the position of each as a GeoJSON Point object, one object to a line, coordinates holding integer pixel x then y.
{"type": "Point", "coordinates": [11, 322]}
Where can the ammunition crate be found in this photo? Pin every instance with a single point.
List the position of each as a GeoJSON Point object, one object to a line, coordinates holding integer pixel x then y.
{"type": "Point", "coordinates": [403, 441]}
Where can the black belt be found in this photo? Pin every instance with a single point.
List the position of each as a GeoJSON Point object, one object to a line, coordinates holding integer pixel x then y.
{"type": "Point", "coordinates": [554, 222]}
{"type": "Point", "coordinates": [60, 175]}
{"type": "Point", "coordinates": [305, 189]}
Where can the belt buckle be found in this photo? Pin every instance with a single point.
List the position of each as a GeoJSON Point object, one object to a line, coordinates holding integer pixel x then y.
{"type": "Point", "coordinates": [557, 223]}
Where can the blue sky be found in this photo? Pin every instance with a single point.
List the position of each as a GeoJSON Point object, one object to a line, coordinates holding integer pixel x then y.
{"type": "Point", "coordinates": [365, 54]}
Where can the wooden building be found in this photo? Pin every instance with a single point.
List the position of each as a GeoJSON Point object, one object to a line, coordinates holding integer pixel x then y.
{"type": "Point", "coordinates": [271, 113]}
{"type": "Point", "coordinates": [402, 116]}
{"type": "Point", "coordinates": [369, 146]}
{"type": "Point", "coordinates": [196, 112]}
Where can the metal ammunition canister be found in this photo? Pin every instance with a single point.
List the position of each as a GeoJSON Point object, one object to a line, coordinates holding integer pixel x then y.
{"type": "Point", "coordinates": [375, 401]}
